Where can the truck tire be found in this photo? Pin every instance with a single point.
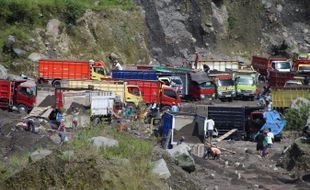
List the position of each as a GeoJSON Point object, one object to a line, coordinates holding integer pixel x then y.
{"type": "Point", "coordinates": [96, 121]}
{"type": "Point", "coordinates": [56, 83]}
{"type": "Point", "coordinates": [22, 109]}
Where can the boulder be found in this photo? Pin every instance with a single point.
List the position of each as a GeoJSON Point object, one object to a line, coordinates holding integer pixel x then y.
{"type": "Point", "coordinates": [181, 155]}
{"type": "Point", "coordinates": [3, 72]}
{"type": "Point", "coordinates": [104, 142]}
{"type": "Point", "coordinates": [36, 57]}
{"type": "Point", "coordinates": [39, 154]}
{"type": "Point", "coordinates": [52, 27]}
{"type": "Point", "coordinates": [19, 52]}
{"type": "Point", "coordinates": [8, 44]}
{"type": "Point", "coordinates": [161, 169]}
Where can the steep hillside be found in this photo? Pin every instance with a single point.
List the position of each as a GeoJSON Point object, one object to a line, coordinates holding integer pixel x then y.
{"type": "Point", "coordinates": [226, 28]}
{"type": "Point", "coordinates": [70, 30]}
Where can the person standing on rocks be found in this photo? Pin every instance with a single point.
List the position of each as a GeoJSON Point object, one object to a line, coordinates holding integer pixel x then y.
{"type": "Point", "coordinates": [196, 60]}
{"type": "Point", "coordinates": [260, 138]}
{"type": "Point", "coordinates": [265, 145]}
{"type": "Point", "coordinates": [270, 138]}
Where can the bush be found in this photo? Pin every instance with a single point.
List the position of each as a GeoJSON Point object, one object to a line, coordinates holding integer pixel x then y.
{"type": "Point", "coordinates": [297, 117]}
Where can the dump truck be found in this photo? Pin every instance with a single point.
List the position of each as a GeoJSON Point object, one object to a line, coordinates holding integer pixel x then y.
{"type": "Point", "coordinates": [218, 65]}
{"type": "Point", "coordinates": [245, 83]}
{"type": "Point", "coordinates": [156, 92]}
{"type": "Point", "coordinates": [127, 93]}
{"type": "Point", "coordinates": [20, 94]}
{"type": "Point", "coordinates": [227, 118]}
{"type": "Point", "coordinates": [201, 86]}
{"type": "Point", "coordinates": [53, 71]}
{"type": "Point", "coordinates": [282, 97]}
{"type": "Point", "coordinates": [301, 66]}
{"type": "Point", "coordinates": [263, 65]}
{"type": "Point", "coordinates": [225, 87]}
{"type": "Point", "coordinates": [152, 90]}
{"type": "Point", "coordinates": [99, 102]}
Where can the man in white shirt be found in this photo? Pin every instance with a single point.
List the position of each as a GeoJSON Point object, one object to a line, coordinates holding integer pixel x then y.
{"type": "Point", "coordinates": [208, 128]}
{"type": "Point", "coordinates": [270, 138]}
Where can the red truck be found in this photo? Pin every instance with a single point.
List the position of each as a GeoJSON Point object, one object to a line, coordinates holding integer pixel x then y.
{"type": "Point", "coordinates": [279, 78]}
{"type": "Point", "coordinates": [201, 86]}
{"type": "Point", "coordinates": [262, 65]}
{"type": "Point", "coordinates": [301, 66]}
{"type": "Point", "coordinates": [17, 93]}
{"type": "Point", "coordinates": [155, 91]}
{"type": "Point", "coordinates": [53, 71]}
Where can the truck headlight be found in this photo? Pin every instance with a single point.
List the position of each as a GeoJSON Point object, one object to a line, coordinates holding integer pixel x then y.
{"type": "Point", "coordinates": [202, 96]}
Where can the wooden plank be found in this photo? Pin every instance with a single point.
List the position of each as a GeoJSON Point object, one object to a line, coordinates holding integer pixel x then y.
{"type": "Point", "coordinates": [226, 135]}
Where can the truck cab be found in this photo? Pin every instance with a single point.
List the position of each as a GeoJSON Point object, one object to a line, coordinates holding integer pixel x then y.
{"type": "Point", "coordinates": [133, 95]}
{"type": "Point", "coordinates": [245, 83]}
{"type": "Point", "coordinates": [225, 86]}
{"type": "Point", "coordinates": [18, 93]}
{"type": "Point", "coordinates": [99, 71]}
{"type": "Point", "coordinates": [172, 81]}
{"type": "Point", "coordinates": [169, 95]}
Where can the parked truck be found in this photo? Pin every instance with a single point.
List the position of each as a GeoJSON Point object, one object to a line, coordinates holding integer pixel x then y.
{"type": "Point", "coordinates": [218, 65]}
{"type": "Point", "coordinates": [201, 86]}
{"type": "Point", "coordinates": [263, 65]}
{"type": "Point", "coordinates": [99, 102]}
{"type": "Point", "coordinates": [52, 71]}
{"type": "Point", "coordinates": [245, 83]}
{"type": "Point", "coordinates": [282, 97]}
{"type": "Point", "coordinates": [152, 89]}
{"type": "Point", "coordinates": [127, 93]}
{"type": "Point", "coordinates": [225, 87]}
{"type": "Point", "coordinates": [18, 93]}
{"type": "Point", "coordinates": [301, 66]}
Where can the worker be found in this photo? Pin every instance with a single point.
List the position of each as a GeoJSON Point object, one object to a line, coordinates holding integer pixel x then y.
{"type": "Point", "coordinates": [62, 132]}
{"type": "Point", "coordinates": [31, 125]}
{"type": "Point", "coordinates": [75, 118]}
{"type": "Point", "coordinates": [118, 66]}
{"type": "Point", "coordinates": [174, 108]}
{"type": "Point", "coordinates": [212, 151]}
{"type": "Point", "coordinates": [59, 117]}
{"type": "Point", "coordinates": [259, 140]}
{"type": "Point", "coordinates": [196, 60]}
{"type": "Point", "coordinates": [209, 128]}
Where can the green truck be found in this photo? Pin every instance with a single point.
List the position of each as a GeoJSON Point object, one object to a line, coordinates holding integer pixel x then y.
{"type": "Point", "coordinates": [245, 83]}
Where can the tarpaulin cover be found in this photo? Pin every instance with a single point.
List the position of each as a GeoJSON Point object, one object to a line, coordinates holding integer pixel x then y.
{"type": "Point", "coordinates": [200, 77]}
{"type": "Point", "coordinates": [274, 122]}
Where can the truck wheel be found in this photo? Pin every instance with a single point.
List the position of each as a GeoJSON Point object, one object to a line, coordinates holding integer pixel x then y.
{"type": "Point", "coordinates": [22, 109]}
{"type": "Point", "coordinates": [56, 83]}
{"type": "Point", "coordinates": [96, 121]}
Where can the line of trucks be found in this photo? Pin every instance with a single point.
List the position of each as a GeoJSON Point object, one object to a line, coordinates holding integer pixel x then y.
{"type": "Point", "coordinates": [164, 85]}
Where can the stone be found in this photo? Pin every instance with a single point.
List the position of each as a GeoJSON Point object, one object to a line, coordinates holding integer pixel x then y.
{"type": "Point", "coordinates": [68, 153]}
{"type": "Point", "coordinates": [104, 142]}
{"type": "Point", "coordinates": [19, 52]}
{"type": "Point", "coordinates": [3, 72]}
{"type": "Point", "coordinates": [9, 42]}
{"type": "Point", "coordinates": [237, 164]}
{"type": "Point", "coordinates": [279, 7]}
{"type": "Point", "coordinates": [40, 154]}
{"type": "Point", "coordinates": [160, 168]}
{"type": "Point", "coordinates": [305, 30]}
{"type": "Point", "coordinates": [52, 27]}
{"type": "Point", "coordinates": [36, 57]}
{"type": "Point", "coordinates": [182, 157]}
{"type": "Point", "coordinates": [307, 39]}
{"type": "Point", "coordinates": [212, 176]}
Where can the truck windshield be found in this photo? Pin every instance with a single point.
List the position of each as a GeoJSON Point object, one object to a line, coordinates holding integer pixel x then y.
{"type": "Point", "coordinates": [226, 82]}
{"type": "Point", "coordinates": [170, 93]}
{"type": "Point", "coordinates": [304, 68]}
{"type": "Point", "coordinates": [28, 91]}
{"type": "Point", "coordinates": [246, 81]}
{"type": "Point", "coordinates": [206, 85]}
{"type": "Point", "coordinates": [282, 65]}
{"type": "Point", "coordinates": [177, 81]}
{"type": "Point", "coordinates": [134, 91]}
{"type": "Point", "coordinates": [100, 70]}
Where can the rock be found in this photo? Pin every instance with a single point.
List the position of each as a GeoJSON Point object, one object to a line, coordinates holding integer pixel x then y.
{"type": "Point", "coordinates": [305, 30]}
{"type": "Point", "coordinates": [226, 163]}
{"type": "Point", "coordinates": [307, 39]}
{"type": "Point", "coordinates": [8, 44]}
{"type": "Point", "coordinates": [104, 141]}
{"type": "Point", "coordinates": [19, 52]}
{"type": "Point", "coordinates": [68, 154]}
{"type": "Point", "coordinates": [279, 8]}
{"type": "Point", "coordinates": [237, 164]}
{"type": "Point", "coordinates": [55, 138]}
{"type": "Point", "coordinates": [161, 169]}
{"type": "Point", "coordinates": [256, 186]}
{"type": "Point", "coordinates": [212, 176]}
{"type": "Point", "coordinates": [39, 154]}
{"type": "Point", "coordinates": [36, 57]}
{"type": "Point", "coordinates": [3, 72]}
{"type": "Point", "coordinates": [303, 101]}
{"type": "Point", "coordinates": [52, 27]}
{"type": "Point", "coordinates": [181, 155]}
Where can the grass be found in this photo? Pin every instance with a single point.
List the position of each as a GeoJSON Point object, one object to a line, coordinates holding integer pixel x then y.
{"type": "Point", "coordinates": [14, 163]}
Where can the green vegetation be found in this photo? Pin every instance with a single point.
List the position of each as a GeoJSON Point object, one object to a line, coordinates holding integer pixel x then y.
{"type": "Point", "coordinates": [297, 117]}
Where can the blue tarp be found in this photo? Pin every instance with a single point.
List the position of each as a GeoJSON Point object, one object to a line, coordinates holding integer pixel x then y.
{"type": "Point", "coordinates": [274, 122]}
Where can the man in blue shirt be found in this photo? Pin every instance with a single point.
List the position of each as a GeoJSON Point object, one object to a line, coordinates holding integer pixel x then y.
{"type": "Point", "coordinates": [174, 108]}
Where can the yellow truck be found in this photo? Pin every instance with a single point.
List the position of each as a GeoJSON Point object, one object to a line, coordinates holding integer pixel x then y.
{"type": "Point", "coordinates": [282, 97]}
{"type": "Point", "coordinates": [129, 94]}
